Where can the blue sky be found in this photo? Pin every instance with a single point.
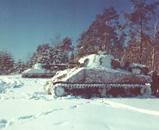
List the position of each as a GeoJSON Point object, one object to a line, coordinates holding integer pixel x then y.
{"type": "Point", "coordinates": [25, 24]}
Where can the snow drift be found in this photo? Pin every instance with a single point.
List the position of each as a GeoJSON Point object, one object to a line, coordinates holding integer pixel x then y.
{"type": "Point", "coordinates": [29, 107]}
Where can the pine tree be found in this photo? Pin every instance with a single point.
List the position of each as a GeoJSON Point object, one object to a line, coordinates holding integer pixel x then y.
{"type": "Point", "coordinates": [155, 45]}
{"type": "Point", "coordinates": [6, 62]}
{"type": "Point", "coordinates": [72, 57]}
{"type": "Point", "coordinates": [138, 22]}
{"type": "Point", "coordinates": [42, 55]}
{"type": "Point", "coordinates": [33, 60]}
{"type": "Point", "coordinates": [20, 67]}
{"type": "Point", "coordinates": [66, 48]}
{"type": "Point", "coordinates": [61, 49]}
{"type": "Point", "coordinates": [55, 53]}
{"type": "Point", "coordinates": [102, 33]}
{"type": "Point", "coordinates": [57, 58]}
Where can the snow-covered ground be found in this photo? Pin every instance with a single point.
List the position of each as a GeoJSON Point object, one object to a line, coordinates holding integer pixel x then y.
{"type": "Point", "coordinates": [24, 105]}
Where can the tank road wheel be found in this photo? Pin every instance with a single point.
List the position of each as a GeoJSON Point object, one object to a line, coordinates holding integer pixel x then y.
{"type": "Point", "coordinates": [59, 91]}
{"type": "Point", "coordinates": [102, 92]}
{"type": "Point", "coordinates": [144, 91]}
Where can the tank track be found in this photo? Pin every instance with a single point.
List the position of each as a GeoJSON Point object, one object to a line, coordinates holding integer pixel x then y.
{"type": "Point", "coordinates": [99, 85]}
{"type": "Point", "coordinates": [101, 88]}
{"type": "Point", "coordinates": [37, 76]}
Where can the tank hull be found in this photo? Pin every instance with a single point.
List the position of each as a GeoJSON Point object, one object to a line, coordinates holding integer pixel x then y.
{"type": "Point", "coordinates": [101, 76]}
{"type": "Point", "coordinates": [100, 82]}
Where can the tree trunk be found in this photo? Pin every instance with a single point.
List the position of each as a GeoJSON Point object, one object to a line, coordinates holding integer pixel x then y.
{"type": "Point", "coordinates": [140, 49]}
{"type": "Point", "coordinates": [106, 46]}
{"type": "Point", "coordinates": [153, 59]}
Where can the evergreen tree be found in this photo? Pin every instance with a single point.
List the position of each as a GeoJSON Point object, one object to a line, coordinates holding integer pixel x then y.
{"type": "Point", "coordinates": [6, 62]}
{"type": "Point", "coordinates": [33, 60]}
{"type": "Point", "coordinates": [138, 22]}
{"type": "Point", "coordinates": [155, 45]}
{"type": "Point", "coordinates": [20, 67]}
{"type": "Point", "coordinates": [42, 55]}
{"type": "Point", "coordinates": [55, 53]}
{"type": "Point", "coordinates": [66, 48]}
{"type": "Point", "coordinates": [57, 58]}
{"type": "Point", "coordinates": [72, 57]}
{"type": "Point", "coordinates": [61, 49]}
{"type": "Point", "coordinates": [102, 33]}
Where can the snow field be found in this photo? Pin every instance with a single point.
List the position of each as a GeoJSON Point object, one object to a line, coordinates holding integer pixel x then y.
{"type": "Point", "coordinates": [24, 105]}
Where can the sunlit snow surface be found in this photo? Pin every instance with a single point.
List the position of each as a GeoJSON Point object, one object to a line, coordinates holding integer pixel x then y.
{"type": "Point", "coordinates": [24, 105]}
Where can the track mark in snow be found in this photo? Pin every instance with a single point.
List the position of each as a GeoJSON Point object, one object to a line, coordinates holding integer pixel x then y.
{"type": "Point", "coordinates": [3, 123]}
{"type": "Point", "coordinates": [114, 104]}
{"type": "Point", "coordinates": [51, 111]}
{"type": "Point", "coordinates": [25, 117]}
{"type": "Point", "coordinates": [72, 107]}
{"type": "Point", "coordinates": [36, 96]}
{"type": "Point", "coordinates": [62, 123]}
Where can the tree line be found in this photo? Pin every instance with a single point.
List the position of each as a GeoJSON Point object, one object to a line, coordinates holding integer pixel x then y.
{"type": "Point", "coordinates": [8, 64]}
{"type": "Point", "coordinates": [136, 39]}
{"type": "Point", "coordinates": [57, 52]}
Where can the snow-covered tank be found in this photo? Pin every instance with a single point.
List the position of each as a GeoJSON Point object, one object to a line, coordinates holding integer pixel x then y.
{"type": "Point", "coordinates": [100, 75]}
{"type": "Point", "coordinates": [43, 71]}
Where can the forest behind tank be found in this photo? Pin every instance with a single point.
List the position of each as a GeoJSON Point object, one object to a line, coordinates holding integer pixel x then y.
{"type": "Point", "coordinates": [129, 36]}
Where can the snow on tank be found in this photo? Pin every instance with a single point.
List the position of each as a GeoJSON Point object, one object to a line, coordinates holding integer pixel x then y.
{"type": "Point", "coordinates": [95, 60]}
{"type": "Point", "coordinates": [41, 71]}
{"type": "Point", "coordinates": [100, 75]}
{"type": "Point", "coordinates": [138, 68]}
